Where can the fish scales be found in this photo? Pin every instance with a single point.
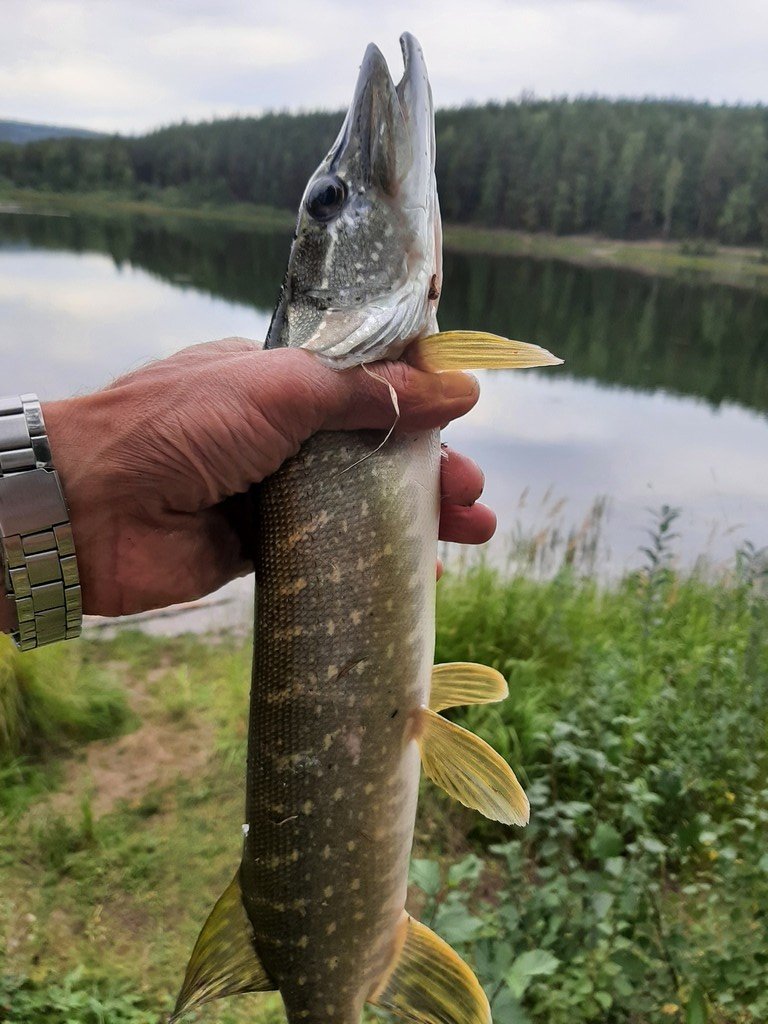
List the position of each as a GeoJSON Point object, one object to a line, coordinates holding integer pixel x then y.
{"type": "Point", "coordinates": [342, 662]}
{"type": "Point", "coordinates": [344, 701]}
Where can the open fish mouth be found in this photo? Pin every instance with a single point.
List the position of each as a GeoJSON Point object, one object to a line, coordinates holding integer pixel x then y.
{"type": "Point", "coordinates": [391, 126]}
{"type": "Point", "coordinates": [365, 267]}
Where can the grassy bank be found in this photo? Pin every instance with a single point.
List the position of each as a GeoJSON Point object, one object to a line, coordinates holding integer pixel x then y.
{"type": "Point", "coordinates": [636, 719]}
{"type": "Point", "coordinates": [742, 267]}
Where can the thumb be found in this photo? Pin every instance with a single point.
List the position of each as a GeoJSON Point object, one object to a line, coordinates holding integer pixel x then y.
{"type": "Point", "coordinates": [307, 396]}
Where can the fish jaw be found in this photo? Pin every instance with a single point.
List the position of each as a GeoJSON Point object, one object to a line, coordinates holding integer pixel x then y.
{"type": "Point", "coordinates": [363, 284]}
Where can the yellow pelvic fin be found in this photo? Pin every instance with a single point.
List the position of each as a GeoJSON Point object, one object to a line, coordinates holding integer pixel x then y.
{"type": "Point", "coordinates": [461, 682]}
{"type": "Point", "coordinates": [430, 984]}
{"type": "Point", "coordinates": [475, 350]}
{"type": "Point", "coordinates": [224, 961]}
{"type": "Point", "coordinates": [471, 771]}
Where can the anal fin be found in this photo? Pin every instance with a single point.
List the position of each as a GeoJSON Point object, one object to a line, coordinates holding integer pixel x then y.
{"type": "Point", "coordinates": [224, 961]}
{"type": "Point", "coordinates": [469, 770]}
{"type": "Point", "coordinates": [430, 984]}
{"type": "Point", "coordinates": [476, 350]}
{"type": "Point", "coordinates": [460, 682]}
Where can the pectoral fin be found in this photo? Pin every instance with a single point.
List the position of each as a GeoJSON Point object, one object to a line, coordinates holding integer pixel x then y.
{"type": "Point", "coordinates": [429, 983]}
{"type": "Point", "coordinates": [475, 350]}
{"type": "Point", "coordinates": [460, 682]}
{"type": "Point", "coordinates": [224, 961]}
{"type": "Point", "coordinates": [470, 771]}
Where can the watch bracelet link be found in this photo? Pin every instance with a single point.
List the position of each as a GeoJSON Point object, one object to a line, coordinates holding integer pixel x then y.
{"type": "Point", "coordinates": [37, 549]}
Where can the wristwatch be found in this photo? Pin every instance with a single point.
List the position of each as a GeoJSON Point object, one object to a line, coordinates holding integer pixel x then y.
{"type": "Point", "coordinates": [37, 550]}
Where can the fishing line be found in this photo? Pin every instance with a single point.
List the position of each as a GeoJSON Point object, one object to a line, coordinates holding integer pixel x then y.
{"type": "Point", "coordinates": [395, 406]}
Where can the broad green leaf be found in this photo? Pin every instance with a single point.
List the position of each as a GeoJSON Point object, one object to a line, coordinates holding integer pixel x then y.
{"type": "Point", "coordinates": [529, 965]}
{"type": "Point", "coordinates": [606, 842]}
{"type": "Point", "coordinates": [696, 1010]}
{"type": "Point", "coordinates": [426, 875]}
{"type": "Point", "coordinates": [467, 870]}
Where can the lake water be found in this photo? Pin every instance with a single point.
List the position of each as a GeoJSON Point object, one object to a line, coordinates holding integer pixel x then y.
{"type": "Point", "coordinates": [662, 399]}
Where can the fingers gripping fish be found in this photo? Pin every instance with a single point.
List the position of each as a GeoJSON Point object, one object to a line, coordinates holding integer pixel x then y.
{"type": "Point", "coordinates": [345, 702]}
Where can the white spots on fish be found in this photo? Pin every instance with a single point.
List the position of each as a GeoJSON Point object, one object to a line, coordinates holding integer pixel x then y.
{"type": "Point", "coordinates": [334, 576]}
{"type": "Point", "coordinates": [330, 627]}
{"type": "Point", "coordinates": [354, 885]}
{"type": "Point", "coordinates": [330, 1009]}
{"type": "Point", "coordinates": [303, 942]}
{"type": "Point", "coordinates": [301, 981]}
{"type": "Point", "coordinates": [332, 963]}
{"type": "Point", "coordinates": [356, 617]}
{"type": "Point", "coordinates": [331, 928]}
{"type": "Point", "coordinates": [338, 794]}
{"type": "Point", "coordinates": [328, 891]}
{"type": "Point", "coordinates": [331, 672]}
{"type": "Point", "coordinates": [368, 788]}
{"type": "Point", "coordinates": [307, 807]}
{"type": "Point", "coordinates": [353, 741]}
{"type": "Point", "coordinates": [294, 587]}
{"type": "Point", "coordinates": [326, 854]}
{"type": "Point", "coordinates": [351, 845]}
{"type": "Point", "coordinates": [246, 829]}
{"type": "Point", "coordinates": [328, 741]}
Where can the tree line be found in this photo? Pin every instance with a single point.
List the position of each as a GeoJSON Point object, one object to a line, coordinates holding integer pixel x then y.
{"type": "Point", "coordinates": [621, 168]}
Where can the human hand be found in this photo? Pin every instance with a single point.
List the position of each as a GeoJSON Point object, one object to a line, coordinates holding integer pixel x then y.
{"type": "Point", "coordinates": [145, 464]}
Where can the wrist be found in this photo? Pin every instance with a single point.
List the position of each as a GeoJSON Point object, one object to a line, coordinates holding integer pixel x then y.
{"type": "Point", "coordinates": [37, 554]}
{"type": "Point", "coordinates": [7, 614]}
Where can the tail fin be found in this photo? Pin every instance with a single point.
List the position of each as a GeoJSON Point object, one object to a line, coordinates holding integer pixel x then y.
{"type": "Point", "coordinates": [430, 984]}
{"type": "Point", "coordinates": [224, 961]}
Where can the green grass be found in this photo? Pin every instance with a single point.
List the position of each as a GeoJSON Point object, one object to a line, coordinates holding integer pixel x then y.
{"type": "Point", "coordinates": [54, 697]}
{"type": "Point", "coordinates": [637, 720]}
{"type": "Point", "coordinates": [741, 266]}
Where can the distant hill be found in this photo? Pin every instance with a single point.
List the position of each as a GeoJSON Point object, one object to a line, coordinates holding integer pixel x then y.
{"type": "Point", "coordinates": [619, 168]}
{"type": "Point", "coordinates": [20, 132]}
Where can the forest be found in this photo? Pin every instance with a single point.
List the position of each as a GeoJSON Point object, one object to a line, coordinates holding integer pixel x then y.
{"type": "Point", "coordinates": [630, 169]}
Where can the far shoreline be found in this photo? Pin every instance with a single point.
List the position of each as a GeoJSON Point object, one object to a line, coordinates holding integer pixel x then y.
{"type": "Point", "coordinates": [698, 260]}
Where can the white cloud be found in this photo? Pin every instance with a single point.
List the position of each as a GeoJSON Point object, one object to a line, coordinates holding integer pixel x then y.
{"type": "Point", "coordinates": [133, 64]}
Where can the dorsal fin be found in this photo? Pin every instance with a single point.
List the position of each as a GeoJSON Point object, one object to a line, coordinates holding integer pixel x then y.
{"type": "Point", "coordinates": [428, 983]}
{"type": "Point", "coordinates": [224, 961]}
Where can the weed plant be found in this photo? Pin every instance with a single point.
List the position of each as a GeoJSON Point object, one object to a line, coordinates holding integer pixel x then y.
{"type": "Point", "coordinates": [636, 720]}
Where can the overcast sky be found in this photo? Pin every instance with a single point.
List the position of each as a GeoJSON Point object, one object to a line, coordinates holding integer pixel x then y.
{"type": "Point", "coordinates": [130, 65]}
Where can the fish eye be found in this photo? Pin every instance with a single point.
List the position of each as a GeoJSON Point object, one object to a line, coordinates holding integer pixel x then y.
{"type": "Point", "coordinates": [326, 198]}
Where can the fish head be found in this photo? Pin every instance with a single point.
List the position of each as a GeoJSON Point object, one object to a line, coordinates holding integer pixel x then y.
{"type": "Point", "coordinates": [365, 268]}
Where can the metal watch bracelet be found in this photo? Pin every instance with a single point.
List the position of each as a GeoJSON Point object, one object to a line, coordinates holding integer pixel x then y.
{"type": "Point", "coordinates": [37, 550]}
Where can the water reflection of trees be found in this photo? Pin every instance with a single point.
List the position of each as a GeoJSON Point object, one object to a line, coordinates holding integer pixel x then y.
{"type": "Point", "coordinates": [611, 326]}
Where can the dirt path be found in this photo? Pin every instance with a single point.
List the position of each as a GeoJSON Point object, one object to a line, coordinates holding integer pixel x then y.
{"type": "Point", "coordinates": [153, 756]}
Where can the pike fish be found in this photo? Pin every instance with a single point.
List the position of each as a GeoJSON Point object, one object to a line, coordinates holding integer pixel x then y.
{"type": "Point", "coordinates": [345, 701]}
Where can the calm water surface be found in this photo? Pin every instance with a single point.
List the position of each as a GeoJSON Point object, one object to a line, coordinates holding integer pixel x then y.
{"type": "Point", "coordinates": [663, 397]}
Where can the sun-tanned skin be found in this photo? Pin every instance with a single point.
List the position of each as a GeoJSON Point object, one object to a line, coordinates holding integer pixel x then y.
{"type": "Point", "coordinates": [145, 466]}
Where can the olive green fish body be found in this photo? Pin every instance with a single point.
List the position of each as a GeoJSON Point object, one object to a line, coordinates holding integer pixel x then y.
{"type": "Point", "coordinates": [345, 701]}
{"type": "Point", "coordinates": [344, 649]}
